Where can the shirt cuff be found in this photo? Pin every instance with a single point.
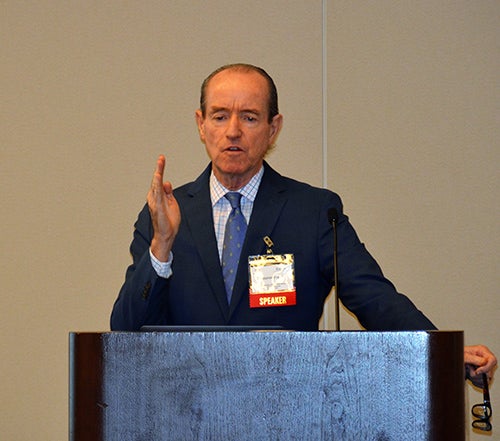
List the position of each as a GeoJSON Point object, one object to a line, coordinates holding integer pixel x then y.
{"type": "Point", "coordinates": [163, 269]}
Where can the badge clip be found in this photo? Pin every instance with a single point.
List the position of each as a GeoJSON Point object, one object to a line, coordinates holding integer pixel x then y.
{"type": "Point", "coordinates": [267, 240]}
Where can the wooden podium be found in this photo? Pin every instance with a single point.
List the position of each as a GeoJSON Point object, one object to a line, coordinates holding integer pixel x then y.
{"type": "Point", "coordinates": [267, 386]}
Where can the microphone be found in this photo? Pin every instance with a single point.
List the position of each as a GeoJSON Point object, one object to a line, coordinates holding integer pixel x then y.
{"type": "Point", "coordinates": [332, 219]}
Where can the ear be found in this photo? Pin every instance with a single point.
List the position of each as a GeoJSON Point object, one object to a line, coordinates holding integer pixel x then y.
{"type": "Point", "coordinates": [200, 122]}
{"type": "Point", "coordinates": [275, 127]}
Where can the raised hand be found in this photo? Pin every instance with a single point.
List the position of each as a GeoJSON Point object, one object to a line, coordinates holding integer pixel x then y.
{"type": "Point", "coordinates": [165, 213]}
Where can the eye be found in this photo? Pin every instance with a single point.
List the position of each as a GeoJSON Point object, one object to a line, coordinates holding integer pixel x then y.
{"type": "Point", "coordinates": [250, 118]}
{"type": "Point", "coordinates": [219, 117]}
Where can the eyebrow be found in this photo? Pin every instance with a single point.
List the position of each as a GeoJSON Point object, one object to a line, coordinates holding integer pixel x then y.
{"type": "Point", "coordinates": [215, 109]}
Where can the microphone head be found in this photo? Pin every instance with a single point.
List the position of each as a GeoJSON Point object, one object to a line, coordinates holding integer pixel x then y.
{"type": "Point", "coordinates": [332, 215]}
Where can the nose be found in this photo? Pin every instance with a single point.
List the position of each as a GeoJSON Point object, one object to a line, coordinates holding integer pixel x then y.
{"type": "Point", "coordinates": [233, 127]}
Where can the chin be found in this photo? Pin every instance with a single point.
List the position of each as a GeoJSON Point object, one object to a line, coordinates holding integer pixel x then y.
{"type": "Point", "coordinates": [233, 168]}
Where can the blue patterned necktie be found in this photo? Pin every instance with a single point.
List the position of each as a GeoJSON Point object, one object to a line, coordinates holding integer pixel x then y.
{"type": "Point", "coordinates": [234, 236]}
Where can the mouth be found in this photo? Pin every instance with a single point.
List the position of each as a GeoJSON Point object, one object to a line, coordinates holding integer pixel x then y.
{"type": "Point", "coordinates": [233, 148]}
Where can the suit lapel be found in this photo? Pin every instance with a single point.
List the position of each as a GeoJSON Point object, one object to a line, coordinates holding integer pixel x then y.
{"type": "Point", "coordinates": [198, 217]}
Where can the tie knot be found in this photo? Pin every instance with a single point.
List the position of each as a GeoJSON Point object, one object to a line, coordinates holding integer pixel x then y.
{"type": "Point", "coordinates": [234, 199]}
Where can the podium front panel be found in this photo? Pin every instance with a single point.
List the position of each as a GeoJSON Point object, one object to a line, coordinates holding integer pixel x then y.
{"type": "Point", "coordinates": [267, 386]}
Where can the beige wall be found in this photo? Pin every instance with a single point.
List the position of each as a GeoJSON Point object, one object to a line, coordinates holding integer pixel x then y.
{"type": "Point", "coordinates": [92, 92]}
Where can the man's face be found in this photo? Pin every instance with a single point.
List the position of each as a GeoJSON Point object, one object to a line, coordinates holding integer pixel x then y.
{"type": "Point", "coordinates": [235, 129]}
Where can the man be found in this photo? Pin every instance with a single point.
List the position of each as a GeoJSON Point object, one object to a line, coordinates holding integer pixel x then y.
{"type": "Point", "coordinates": [181, 271]}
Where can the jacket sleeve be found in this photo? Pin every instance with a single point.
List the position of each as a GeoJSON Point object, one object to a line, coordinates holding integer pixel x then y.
{"type": "Point", "coordinates": [142, 297]}
{"type": "Point", "coordinates": [365, 291]}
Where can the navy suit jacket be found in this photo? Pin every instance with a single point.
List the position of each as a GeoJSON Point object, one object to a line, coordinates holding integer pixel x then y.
{"type": "Point", "coordinates": [294, 215]}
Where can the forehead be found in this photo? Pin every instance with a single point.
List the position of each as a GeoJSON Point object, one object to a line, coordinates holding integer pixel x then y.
{"type": "Point", "coordinates": [237, 86]}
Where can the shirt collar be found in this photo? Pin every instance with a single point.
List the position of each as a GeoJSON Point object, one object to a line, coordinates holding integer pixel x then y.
{"type": "Point", "coordinates": [249, 191]}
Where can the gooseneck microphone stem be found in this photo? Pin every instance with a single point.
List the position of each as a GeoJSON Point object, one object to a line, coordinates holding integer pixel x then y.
{"type": "Point", "coordinates": [332, 219]}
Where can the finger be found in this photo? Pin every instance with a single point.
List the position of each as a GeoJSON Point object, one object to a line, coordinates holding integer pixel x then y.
{"type": "Point", "coordinates": [486, 367]}
{"type": "Point", "coordinates": [475, 360]}
{"type": "Point", "coordinates": [168, 189]}
{"type": "Point", "coordinates": [160, 164]}
{"type": "Point", "coordinates": [157, 182]}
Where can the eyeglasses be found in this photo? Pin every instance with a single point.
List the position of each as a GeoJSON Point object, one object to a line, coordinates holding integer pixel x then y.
{"type": "Point", "coordinates": [482, 412]}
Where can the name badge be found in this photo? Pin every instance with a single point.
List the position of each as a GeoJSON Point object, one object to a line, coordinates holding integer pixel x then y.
{"type": "Point", "coordinates": [272, 280]}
